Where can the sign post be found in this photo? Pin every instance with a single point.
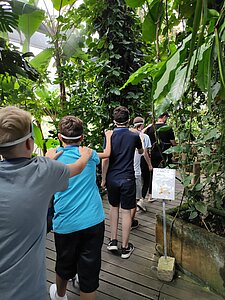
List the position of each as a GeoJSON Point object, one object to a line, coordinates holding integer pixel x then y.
{"type": "Point", "coordinates": [163, 187]}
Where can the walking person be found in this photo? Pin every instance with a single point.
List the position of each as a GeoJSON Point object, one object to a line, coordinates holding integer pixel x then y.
{"type": "Point", "coordinates": [118, 175]}
{"type": "Point", "coordinates": [78, 222]}
{"type": "Point", "coordinates": [138, 123]}
{"type": "Point", "coordinates": [27, 185]}
{"type": "Point", "coordinates": [161, 141]}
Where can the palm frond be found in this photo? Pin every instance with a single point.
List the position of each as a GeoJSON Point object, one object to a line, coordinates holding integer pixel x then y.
{"type": "Point", "coordinates": [8, 19]}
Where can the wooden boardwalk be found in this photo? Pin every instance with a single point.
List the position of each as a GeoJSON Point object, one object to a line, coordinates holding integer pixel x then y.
{"type": "Point", "coordinates": [135, 278]}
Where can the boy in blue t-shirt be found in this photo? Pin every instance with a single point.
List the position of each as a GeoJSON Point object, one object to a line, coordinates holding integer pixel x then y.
{"type": "Point", "coordinates": [78, 222]}
{"type": "Point", "coordinates": [27, 184]}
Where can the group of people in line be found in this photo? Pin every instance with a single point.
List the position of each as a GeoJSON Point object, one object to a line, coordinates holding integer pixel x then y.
{"type": "Point", "coordinates": [69, 173]}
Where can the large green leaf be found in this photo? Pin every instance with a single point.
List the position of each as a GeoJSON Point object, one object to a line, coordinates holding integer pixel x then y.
{"type": "Point", "coordinates": [29, 23]}
{"type": "Point", "coordinates": [135, 3]}
{"type": "Point", "coordinates": [196, 24]}
{"type": "Point", "coordinates": [8, 19]}
{"type": "Point", "coordinates": [42, 60]}
{"type": "Point", "coordinates": [204, 68]}
{"type": "Point", "coordinates": [38, 136]}
{"type": "Point", "coordinates": [146, 71]}
{"type": "Point", "coordinates": [213, 134]}
{"type": "Point", "coordinates": [201, 207]}
{"type": "Point", "coordinates": [178, 86]}
{"type": "Point", "coordinates": [149, 25]}
{"type": "Point", "coordinates": [164, 128]}
{"type": "Point", "coordinates": [220, 53]}
{"type": "Point", "coordinates": [73, 46]}
{"type": "Point", "coordinates": [58, 4]}
{"type": "Point", "coordinates": [22, 7]}
{"type": "Point", "coordinates": [166, 75]}
{"type": "Point", "coordinates": [149, 29]}
{"type": "Point", "coordinates": [51, 143]}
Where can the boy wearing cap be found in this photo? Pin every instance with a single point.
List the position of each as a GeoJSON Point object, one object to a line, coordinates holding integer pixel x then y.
{"type": "Point", "coordinates": [138, 127]}
{"type": "Point", "coordinates": [118, 173]}
{"type": "Point", "coordinates": [78, 222]}
{"type": "Point", "coordinates": [27, 185]}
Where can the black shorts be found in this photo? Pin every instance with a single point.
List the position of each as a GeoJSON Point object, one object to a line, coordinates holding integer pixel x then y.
{"type": "Point", "coordinates": [80, 252]}
{"type": "Point", "coordinates": [122, 192]}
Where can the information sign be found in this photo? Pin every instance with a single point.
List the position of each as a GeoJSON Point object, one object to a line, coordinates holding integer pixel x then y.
{"type": "Point", "coordinates": [163, 183]}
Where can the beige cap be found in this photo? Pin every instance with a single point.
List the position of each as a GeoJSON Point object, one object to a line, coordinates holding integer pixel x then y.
{"type": "Point", "coordinates": [138, 121]}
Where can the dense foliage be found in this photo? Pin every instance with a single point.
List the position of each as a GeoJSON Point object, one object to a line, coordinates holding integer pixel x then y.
{"type": "Point", "coordinates": [150, 55]}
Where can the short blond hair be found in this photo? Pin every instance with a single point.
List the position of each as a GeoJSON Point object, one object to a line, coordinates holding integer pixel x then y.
{"type": "Point", "coordinates": [15, 123]}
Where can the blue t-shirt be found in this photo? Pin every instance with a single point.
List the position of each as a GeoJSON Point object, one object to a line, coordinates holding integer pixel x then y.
{"type": "Point", "coordinates": [121, 160]}
{"type": "Point", "coordinates": [80, 206]}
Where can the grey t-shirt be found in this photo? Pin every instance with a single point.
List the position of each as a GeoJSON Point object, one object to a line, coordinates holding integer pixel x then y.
{"type": "Point", "coordinates": [26, 187]}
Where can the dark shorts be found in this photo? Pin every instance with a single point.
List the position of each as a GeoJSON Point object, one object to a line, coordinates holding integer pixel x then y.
{"type": "Point", "coordinates": [80, 252]}
{"type": "Point", "coordinates": [122, 192]}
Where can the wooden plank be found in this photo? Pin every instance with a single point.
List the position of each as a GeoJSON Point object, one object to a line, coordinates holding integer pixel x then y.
{"type": "Point", "coordinates": [119, 292]}
{"type": "Point", "coordinates": [134, 278]}
{"type": "Point", "coordinates": [184, 289]}
{"type": "Point", "coordinates": [127, 289]}
{"type": "Point", "coordinates": [74, 293]}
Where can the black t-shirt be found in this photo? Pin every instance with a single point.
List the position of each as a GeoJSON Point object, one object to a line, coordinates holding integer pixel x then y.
{"type": "Point", "coordinates": [164, 136]}
{"type": "Point", "coordinates": [123, 145]}
{"type": "Point", "coordinates": [164, 139]}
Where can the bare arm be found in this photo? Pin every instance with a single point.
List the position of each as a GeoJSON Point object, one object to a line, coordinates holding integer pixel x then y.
{"type": "Point", "coordinates": [107, 150]}
{"type": "Point", "coordinates": [105, 165]}
{"type": "Point", "coordinates": [173, 142]}
{"type": "Point", "coordinates": [78, 166]}
{"type": "Point", "coordinates": [148, 159]}
{"type": "Point", "coordinates": [146, 128]}
{"type": "Point", "coordinates": [141, 150]}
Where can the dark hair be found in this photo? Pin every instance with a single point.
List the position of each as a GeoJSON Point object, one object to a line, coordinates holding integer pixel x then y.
{"type": "Point", "coordinates": [164, 114]}
{"type": "Point", "coordinates": [121, 115]}
{"type": "Point", "coordinates": [71, 126]}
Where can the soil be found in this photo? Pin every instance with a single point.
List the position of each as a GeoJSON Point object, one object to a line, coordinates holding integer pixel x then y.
{"type": "Point", "coordinates": [212, 223]}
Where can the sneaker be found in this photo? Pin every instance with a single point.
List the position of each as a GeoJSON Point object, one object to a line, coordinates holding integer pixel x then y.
{"type": "Point", "coordinates": [53, 293]}
{"type": "Point", "coordinates": [134, 224]}
{"type": "Point", "coordinates": [126, 252]}
{"type": "Point", "coordinates": [150, 199]}
{"type": "Point", "coordinates": [141, 205]}
{"type": "Point", "coordinates": [112, 245]}
{"type": "Point", "coordinates": [76, 282]}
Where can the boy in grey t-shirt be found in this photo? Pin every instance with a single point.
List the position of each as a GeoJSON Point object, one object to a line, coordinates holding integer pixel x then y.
{"type": "Point", "coordinates": [27, 185]}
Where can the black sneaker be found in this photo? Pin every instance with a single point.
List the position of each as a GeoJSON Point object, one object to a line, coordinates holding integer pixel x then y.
{"type": "Point", "coordinates": [134, 224]}
{"type": "Point", "coordinates": [112, 245]}
{"type": "Point", "coordinates": [126, 252]}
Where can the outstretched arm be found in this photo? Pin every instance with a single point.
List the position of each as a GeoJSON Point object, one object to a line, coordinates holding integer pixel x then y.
{"type": "Point", "coordinates": [105, 165]}
{"type": "Point", "coordinates": [78, 166]}
{"type": "Point", "coordinates": [141, 150]}
{"type": "Point", "coordinates": [107, 150]}
{"type": "Point", "coordinates": [148, 159]}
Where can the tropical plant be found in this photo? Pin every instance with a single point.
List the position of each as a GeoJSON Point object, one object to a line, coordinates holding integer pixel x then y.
{"type": "Point", "coordinates": [190, 81]}
{"type": "Point", "coordinates": [13, 63]}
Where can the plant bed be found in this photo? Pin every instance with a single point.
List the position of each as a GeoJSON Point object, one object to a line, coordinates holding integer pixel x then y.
{"type": "Point", "coordinates": [197, 252]}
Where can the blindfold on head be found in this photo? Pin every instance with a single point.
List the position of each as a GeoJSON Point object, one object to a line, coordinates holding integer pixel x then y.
{"type": "Point", "coordinates": [20, 140]}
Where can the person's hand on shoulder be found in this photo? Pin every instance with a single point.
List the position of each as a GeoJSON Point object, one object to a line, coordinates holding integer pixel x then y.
{"type": "Point", "coordinates": [52, 154]}
{"type": "Point", "coordinates": [85, 151]}
{"type": "Point", "coordinates": [108, 133]}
